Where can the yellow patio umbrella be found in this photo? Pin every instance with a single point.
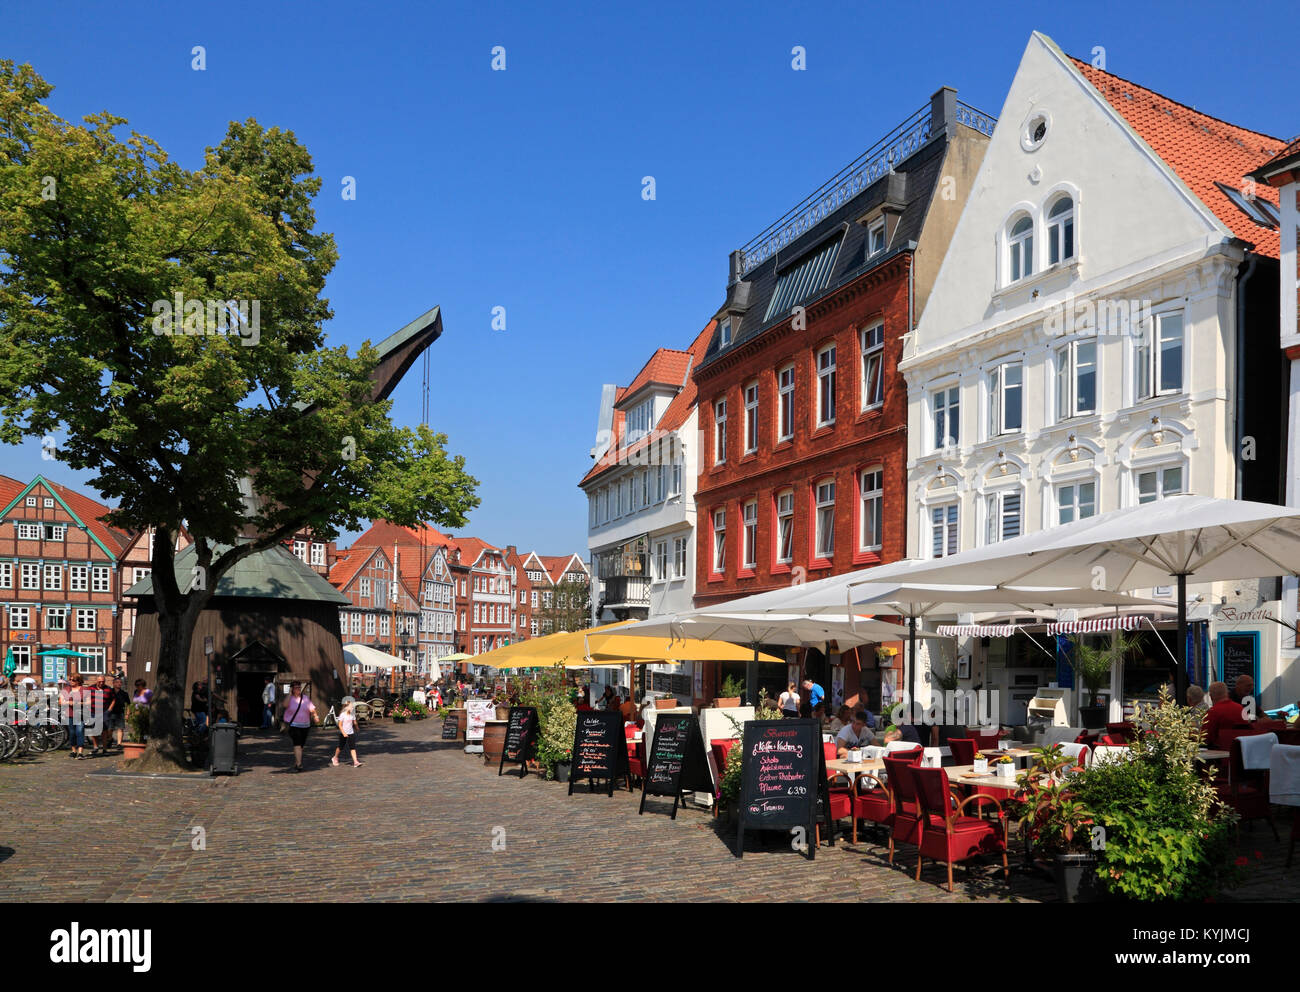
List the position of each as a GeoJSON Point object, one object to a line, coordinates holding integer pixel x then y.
{"type": "Point", "coordinates": [567, 648]}
{"type": "Point", "coordinates": [614, 648]}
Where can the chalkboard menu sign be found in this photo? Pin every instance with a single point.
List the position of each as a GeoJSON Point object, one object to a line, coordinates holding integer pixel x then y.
{"type": "Point", "coordinates": [521, 738]}
{"type": "Point", "coordinates": [599, 748]}
{"type": "Point", "coordinates": [676, 762]}
{"type": "Point", "coordinates": [782, 779]}
{"type": "Point", "coordinates": [1238, 655]}
{"type": "Point", "coordinates": [451, 725]}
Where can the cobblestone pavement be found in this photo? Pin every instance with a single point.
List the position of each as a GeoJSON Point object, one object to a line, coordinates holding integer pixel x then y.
{"type": "Point", "coordinates": [417, 822]}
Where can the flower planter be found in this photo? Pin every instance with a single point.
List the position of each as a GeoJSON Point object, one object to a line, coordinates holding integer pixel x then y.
{"type": "Point", "coordinates": [981, 766]}
{"type": "Point", "coordinates": [399, 719]}
{"type": "Point", "coordinates": [1007, 771]}
{"type": "Point", "coordinates": [1076, 877]}
{"type": "Point", "coordinates": [666, 704]}
{"type": "Point", "coordinates": [503, 712]}
{"type": "Point", "coordinates": [133, 749]}
{"type": "Point", "coordinates": [562, 771]}
{"type": "Point", "coordinates": [1093, 717]}
{"type": "Point", "coordinates": [726, 702]}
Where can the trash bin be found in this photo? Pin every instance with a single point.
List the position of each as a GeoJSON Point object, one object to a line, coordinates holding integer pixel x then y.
{"type": "Point", "coordinates": [223, 748]}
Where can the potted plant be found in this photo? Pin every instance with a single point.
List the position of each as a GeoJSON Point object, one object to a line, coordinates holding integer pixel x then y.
{"type": "Point", "coordinates": [503, 706]}
{"type": "Point", "coordinates": [558, 723]}
{"type": "Point", "coordinates": [137, 731]}
{"type": "Point", "coordinates": [401, 713]}
{"type": "Point", "coordinates": [1059, 827]}
{"type": "Point", "coordinates": [1006, 767]}
{"type": "Point", "coordinates": [981, 764]}
{"type": "Point", "coordinates": [1092, 665]}
{"type": "Point", "coordinates": [732, 689]}
{"type": "Point", "coordinates": [666, 703]}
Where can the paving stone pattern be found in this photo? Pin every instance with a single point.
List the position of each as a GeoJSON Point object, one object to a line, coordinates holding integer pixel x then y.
{"type": "Point", "coordinates": [418, 821]}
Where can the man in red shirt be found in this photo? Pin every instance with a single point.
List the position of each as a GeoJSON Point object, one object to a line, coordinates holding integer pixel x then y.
{"type": "Point", "coordinates": [1223, 714]}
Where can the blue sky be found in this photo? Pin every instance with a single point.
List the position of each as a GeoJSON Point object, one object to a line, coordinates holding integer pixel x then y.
{"type": "Point", "coordinates": [522, 189]}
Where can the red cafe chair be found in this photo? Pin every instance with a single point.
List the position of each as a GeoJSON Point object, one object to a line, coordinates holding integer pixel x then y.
{"type": "Point", "coordinates": [875, 805]}
{"type": "Point", "coordinates": [963, 750]}
{"type": "Point", "coordinates": [949, 836]}
{"type": "Point", "coordinates": [840, 797]}
{"type": "Point", "coordinates": [1245, 792]}
{"type": "Point", "coordinates": [906, 825]}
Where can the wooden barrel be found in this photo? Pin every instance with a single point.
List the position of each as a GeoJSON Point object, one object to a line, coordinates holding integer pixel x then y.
{"type": "Point", "coordinates": [494, 741]}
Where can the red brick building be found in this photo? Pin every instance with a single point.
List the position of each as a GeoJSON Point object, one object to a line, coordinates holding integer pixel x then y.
{"type": "Point", "coordinates": [60, 580]}
{"type": "Point", "coordinates": [384, 612]}
{"type": "Point", "coordinates": [803, 415]}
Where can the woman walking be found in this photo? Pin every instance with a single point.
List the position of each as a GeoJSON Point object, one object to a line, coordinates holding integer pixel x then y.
{"type": "Point", "coordinates": [76, 717]}
{"type": "Point", "coordinates": [789, 702]}
{"type": "Point", "coordinates": [299, 716]}
{"type": "Point", "coordinates": [347, 734]}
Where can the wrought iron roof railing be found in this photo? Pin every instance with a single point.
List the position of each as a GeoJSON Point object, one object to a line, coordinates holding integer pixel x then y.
{"type": "Point", "coordinates": [875, 162]}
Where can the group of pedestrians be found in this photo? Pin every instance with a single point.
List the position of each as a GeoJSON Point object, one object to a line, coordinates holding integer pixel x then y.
{"type": "Point", "coordinates": [96, 713]}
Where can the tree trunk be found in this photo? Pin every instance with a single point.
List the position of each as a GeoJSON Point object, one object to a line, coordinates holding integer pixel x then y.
{"type": "Point", "coordinates": [176, 632]}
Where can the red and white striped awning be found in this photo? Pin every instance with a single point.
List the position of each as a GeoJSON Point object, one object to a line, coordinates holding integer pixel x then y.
{"type": "Point", "coordinates": [1095, 625]}
{"type": "Point", "coordinates": [975, 630]}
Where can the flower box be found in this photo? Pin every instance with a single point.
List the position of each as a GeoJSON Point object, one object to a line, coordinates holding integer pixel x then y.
{"type": "Point", "coordinates": [1007, 770]}
{"type": "Point", "coordinates": [981, 766]}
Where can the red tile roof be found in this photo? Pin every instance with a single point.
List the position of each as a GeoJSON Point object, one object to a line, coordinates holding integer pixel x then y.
{"type": "Point", "coordinates": [666, 365]}
{"type": "Point", "coordinates": [348, 564]}
{"type": "Point", "coordinates": [1291, 151]}
{"type": "Point", "coordinates": [1201, 149]}
{"type": "Point", "coordinates": [10, 490]}
{"type": "Point", "coordinates": [679, 409]}
{"type": "Point", "coordinates": [557, 565]}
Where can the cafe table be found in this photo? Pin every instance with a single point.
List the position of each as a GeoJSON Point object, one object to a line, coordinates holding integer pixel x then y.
{"type": "Point", "coordinates": [854, 768]}
{"type": "Point", "coordinates": [1207, 754]}
{"type": "Point", "coordinates": [965, 775]}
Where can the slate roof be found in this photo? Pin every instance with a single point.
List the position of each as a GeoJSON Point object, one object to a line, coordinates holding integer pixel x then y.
{"type": "Point", "coordinates": [275, 573]}
{"type": "Point", "coordinates": [1201, 149]}
{"type": "Point", "coordinates": [913, 183]}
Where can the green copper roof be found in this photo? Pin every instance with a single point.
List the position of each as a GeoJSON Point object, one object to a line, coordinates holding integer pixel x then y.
{"type": "Point", "coordinates": [270, 574]}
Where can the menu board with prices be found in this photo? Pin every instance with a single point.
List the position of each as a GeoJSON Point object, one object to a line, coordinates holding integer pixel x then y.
{"type": "Point", "coordinates": [521, 738]}
{"type": "Point", "coordinates": [782, 780]}
{"type": "Point", "coordinates": [676, 762]}
{"type": "Point", "coordinates": [599, 749]}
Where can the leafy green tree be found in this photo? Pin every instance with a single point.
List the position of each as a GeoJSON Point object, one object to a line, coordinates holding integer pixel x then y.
{"type": "Point", "coordinates": [101, 236]}
{"type": "Point", "coordinates": [569, 607]}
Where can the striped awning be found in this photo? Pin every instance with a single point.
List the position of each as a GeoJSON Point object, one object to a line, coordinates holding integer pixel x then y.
{"type": "Point", "coordinates": [1095, 625]}
{"type": "Point", "coordinates": [975, 630]}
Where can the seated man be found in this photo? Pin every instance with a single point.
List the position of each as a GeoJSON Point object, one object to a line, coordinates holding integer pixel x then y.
{"type": "Point", "coordinates": [1242, 689]}
{"type": "Point", "coordinates": [1196, 697]}
{"type": "Point", "coordinates": [856, 734]}
{"type": "Point", "coordinates": [1223, 714]}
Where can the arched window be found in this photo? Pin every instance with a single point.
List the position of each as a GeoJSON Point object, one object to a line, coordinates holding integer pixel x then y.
{"type": "Point", "coordinates": [1060, 231]}
{"type": "Point", "coordinates": [1020, 243]}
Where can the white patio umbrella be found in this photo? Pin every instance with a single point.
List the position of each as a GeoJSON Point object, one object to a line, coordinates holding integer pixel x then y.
{"type": "Point", "coordinates": [362, 654]}
{"type": "Point", "coordinates": [1215, 540]}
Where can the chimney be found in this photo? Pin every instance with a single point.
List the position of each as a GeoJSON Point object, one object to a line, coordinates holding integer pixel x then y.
{"type": "Point", "coordinates": [943, 111]}
{"type": "Point", "coordinates": [735, 267]}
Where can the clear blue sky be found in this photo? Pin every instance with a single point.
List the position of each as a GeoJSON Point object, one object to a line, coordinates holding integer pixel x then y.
{"type": "Point", "coordinates": [522, 188]}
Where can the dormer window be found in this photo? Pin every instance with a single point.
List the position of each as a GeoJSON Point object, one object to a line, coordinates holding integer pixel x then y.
{"type": "Point", "coordinates": [876, 237]}
{"type": "Point", "coordinates": [1020, 245]}
{"type": "Point", "coordinates": [724, 333]}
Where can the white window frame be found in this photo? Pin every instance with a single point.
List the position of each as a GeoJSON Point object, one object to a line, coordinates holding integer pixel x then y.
{"type": "Point", "coordinates": [1020, 249]}
{"type": "Point", "coordinates": [660, 559]}
{"type": "Point", "coordinates": [871, 346]}
{"type": "Point", "coordinates": [53, 577]}
{"type": "Point", "coordinates": [720, 431]}
{"type": "Point", "coordinates": [95, 663]}
{"type": "Point", "coordinates": [949, 395]}
{"type": "Point", "coordinates": [56, 618]}
{"type": "Point", "coordinates": [1158, 470]}
{"type": "Point", "coordinates": [1056, 231]}
{"type": "Point", "coordinates": [997, 505]}
{"type": "Point", "coordinates": [824, 519]}
{"type": "Point", "coordinates": [356, 624]}
{"type": "Point", "coordinates": [1066, 404]}
{"type": "Point", "coordinates": [826, 365]}
{"type": "Point", "coordinates": [364, 585]}
{"type": "Point", "coordinates": [749, 544]}
{"type": "Point", "coordinates": [6, 575]}
{"type": "Point", "coordinates": [871, 494]}
{"type": "Point", "coordinates": [876, 228]}
{"type": "Point", "coordinates": [949, 527]}
{"type": "Point", "coordinates": [1076, 501]}
{"type": "Point", "coordinates": [1148, 356]}
{"type": "Point", "coordinates": [101, 579]}
{"type": "Point", "coordinates": [724, 332]}
{"type": "Point", "coordinates": [785, 378]}
{"type": "Point", "coordinates": [29, 532]}
{"type": "Point", "coordinates": [300, 550]}
{"type": "Point", "coordinates": [79, 578]}
{"type": "Point", "coordinates": [679, 557]}
{"type": "Point", "coordinates": [999, 392]}
{"type": "Point", "coordinates": [385, 625]}
{"type": "Point", "coordinates": [719, 540]}
{"type": "Point", "coordinates": [785, 527]}
{"type": "Point", "coordinates": [87, 619]}
{"type": "Point", "coordinates": [29, 575]}
{"type": "Point", "coordinates": [370, 625]}
{"type": "Point", "coordinates": [751, 417]}
{"type": "Point", "coordinates": [20, 618]}
{"type": "Point", "coordinates": [317, 553]}
{"type": "Point", "coordinates": [54, 532]}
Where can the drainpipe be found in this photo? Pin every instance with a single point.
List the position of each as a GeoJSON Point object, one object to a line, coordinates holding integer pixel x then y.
{"type": "Point", "coordinates": [1241, 373]}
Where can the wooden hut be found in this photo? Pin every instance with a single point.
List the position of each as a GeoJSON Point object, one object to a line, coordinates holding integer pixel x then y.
{"type": "Point", "coordinates": [271, 615]}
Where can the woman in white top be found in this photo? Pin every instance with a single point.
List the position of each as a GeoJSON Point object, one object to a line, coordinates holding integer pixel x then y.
{"type": "Point", "coordinates": [347, 733]}
{"type": "Point", "coordinates": [789, 702]}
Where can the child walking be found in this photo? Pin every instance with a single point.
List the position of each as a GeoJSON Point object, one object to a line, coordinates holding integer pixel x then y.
{"type": "Point", "coordinates": [347, 734]}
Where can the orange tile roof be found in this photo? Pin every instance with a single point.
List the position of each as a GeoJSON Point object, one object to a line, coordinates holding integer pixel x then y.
{"type": "Point", "coordinates": [91, 513]}
{"type": "Point", "coordinates": [1201, 149]}
{"type": "Point", "coordinates": [557, 565]}
{"type": "Point", "coordinates": [1291, 151]}
{"type": "Point", "coordinates": [674, 416]}
{"type": "Point", "coordinates": [666, 365]}
{"type": "Point", "coordinates": [10, 490]}
{"type": "Point", "coordinates": [348, 564]}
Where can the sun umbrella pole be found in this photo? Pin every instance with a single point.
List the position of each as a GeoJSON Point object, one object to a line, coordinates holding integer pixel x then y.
{"type": "Point", "coordinates": [911, 663]}
{"type": "Point", "coordinates": [1180, 676]}
{"type": "Point", "coordinates": [751, 679]}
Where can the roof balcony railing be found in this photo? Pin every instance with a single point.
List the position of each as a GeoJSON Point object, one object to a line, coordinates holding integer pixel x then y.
{"type": "Point", "coordinates": [876, 162]}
